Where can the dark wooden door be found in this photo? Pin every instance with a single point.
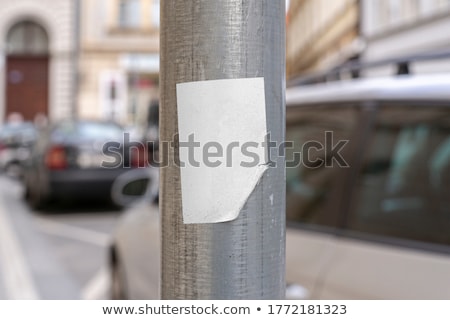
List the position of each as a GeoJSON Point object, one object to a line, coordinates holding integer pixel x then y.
{"type": "Point", "coordinates": [27, 85]}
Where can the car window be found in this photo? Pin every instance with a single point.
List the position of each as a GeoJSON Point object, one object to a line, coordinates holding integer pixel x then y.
{"type": "Point", "coordinates": [87, 130]}
{"type": "Point", "coordinates": [63, 129]}
{"type": "Point", "coordinates": [97, 130]}
{"type": "Point", "coordinates": [403, 189]}
{"type": "Point", "coordinates": [18, 133]}
{"type": "Point", "coordinates": [314, 177]}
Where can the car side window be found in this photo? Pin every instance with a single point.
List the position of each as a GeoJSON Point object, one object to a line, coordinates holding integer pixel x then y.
{"type": "Point", "coordinates": [313, 174]}
{"type": "Point", "coordinates": [403, 189]}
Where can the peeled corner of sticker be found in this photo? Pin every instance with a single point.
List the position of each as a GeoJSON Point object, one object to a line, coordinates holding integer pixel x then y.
{"type": "Point", "coordinates": [222, 130]}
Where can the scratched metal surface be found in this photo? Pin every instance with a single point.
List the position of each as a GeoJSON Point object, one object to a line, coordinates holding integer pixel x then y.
{"type": "Point", "coordinates": [244, 258]}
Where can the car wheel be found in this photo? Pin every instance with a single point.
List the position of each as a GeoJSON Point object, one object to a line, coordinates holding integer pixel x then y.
{"type": "Point", "coordinates": [118, 291]}
{"type": "Point", "coordinates": [26, 191]}
{"type": "Point", "coordinates": [36, 199]}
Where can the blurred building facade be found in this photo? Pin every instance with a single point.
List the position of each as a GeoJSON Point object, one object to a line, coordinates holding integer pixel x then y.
{"type": "Point", "coordinates": [119, 59]}
{"type": "Point", "coordinates": [321, 34]}
{"type": "Point", "coordinates": [37, 58]}
{"type": "Point", "coordinates": [393, 28]}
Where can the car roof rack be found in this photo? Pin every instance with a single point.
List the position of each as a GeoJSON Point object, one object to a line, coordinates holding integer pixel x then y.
{"type": "Point", "coordinates": [352, 68]}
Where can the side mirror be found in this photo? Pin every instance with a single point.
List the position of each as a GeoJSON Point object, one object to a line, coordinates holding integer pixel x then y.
{"type": "Point", "coordinates": [135, 185]}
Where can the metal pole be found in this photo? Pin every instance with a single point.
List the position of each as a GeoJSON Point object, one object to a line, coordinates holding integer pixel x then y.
{"type": "Point", "coordinates": [244, 258]}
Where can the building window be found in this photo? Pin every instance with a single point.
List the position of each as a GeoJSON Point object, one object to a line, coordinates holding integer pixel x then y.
{"type": "Point", "coordinates": [382, 12]}
{"type": "Point", "coordinates": [412, 9]}
{"type": "Point", "coordinates": [129, 16]}
{"type": "Point", "coordinates": [27, 38]}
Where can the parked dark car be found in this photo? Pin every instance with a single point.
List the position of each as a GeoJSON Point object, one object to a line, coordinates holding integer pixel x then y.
{"type": "Point", "coordinates": [16, 141]}
{"type": "Point", "coordinates": [73, 159]}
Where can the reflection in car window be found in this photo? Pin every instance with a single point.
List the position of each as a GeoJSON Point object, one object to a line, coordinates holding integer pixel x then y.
{"type": "Point", "coordinates": [404, 186]}
{"type": "Point", "coordinates": [310, 184]}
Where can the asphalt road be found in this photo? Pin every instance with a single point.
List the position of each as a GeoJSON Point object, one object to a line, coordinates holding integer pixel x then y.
{"type": "Point", "coordinates": [60, 253]}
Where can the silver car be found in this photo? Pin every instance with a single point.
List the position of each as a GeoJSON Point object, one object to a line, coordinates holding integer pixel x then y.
{"type": "Point", "coordinates": [368, 216]}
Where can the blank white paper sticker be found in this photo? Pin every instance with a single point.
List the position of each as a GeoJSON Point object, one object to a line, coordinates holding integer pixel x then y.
{"type": "Point", "coordinates": [222, 129]}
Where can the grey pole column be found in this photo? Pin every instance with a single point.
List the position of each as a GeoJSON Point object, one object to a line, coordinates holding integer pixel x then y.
{"type": "Point", "coordinates": [244, 258]}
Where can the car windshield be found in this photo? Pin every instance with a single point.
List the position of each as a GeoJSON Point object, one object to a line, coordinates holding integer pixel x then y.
{"type": "Point", "coordinates": [96, 130]}
{"type": "Point", "coordinates": [88, 131]}
{"type": "Point", "coordinates": [17, 131]}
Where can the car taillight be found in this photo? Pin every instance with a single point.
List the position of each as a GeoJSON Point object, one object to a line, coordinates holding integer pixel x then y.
{"type": "Point", "coordinates": [2, 146]}
{"type": "Point", "coordinates": [139, 157]}
{"type": "Point", "coordinates": [56, 158]}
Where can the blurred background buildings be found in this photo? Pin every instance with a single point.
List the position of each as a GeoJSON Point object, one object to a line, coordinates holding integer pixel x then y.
{"type": "Point", "coordinates": [37, 58]}
{"type": "Point", "coordinates": [119, 59]}
{"type": "Point", "coordinates": [324, 34]}
{"type": "Point", "coordinates": [100, 58]}
{"type": "Point", "coordinates": [96, 59]}
{"type": "Point", "coordinates": [321, 34]}
{"type": "Point", "coordinates": [393, 28]}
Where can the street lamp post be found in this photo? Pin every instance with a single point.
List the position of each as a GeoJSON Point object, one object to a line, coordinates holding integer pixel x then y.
{"type": "Point", "coordinates": [244, 258]}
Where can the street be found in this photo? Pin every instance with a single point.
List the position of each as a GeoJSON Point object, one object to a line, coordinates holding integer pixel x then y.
{"type": "Point", "coordinates": [59, 253]}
